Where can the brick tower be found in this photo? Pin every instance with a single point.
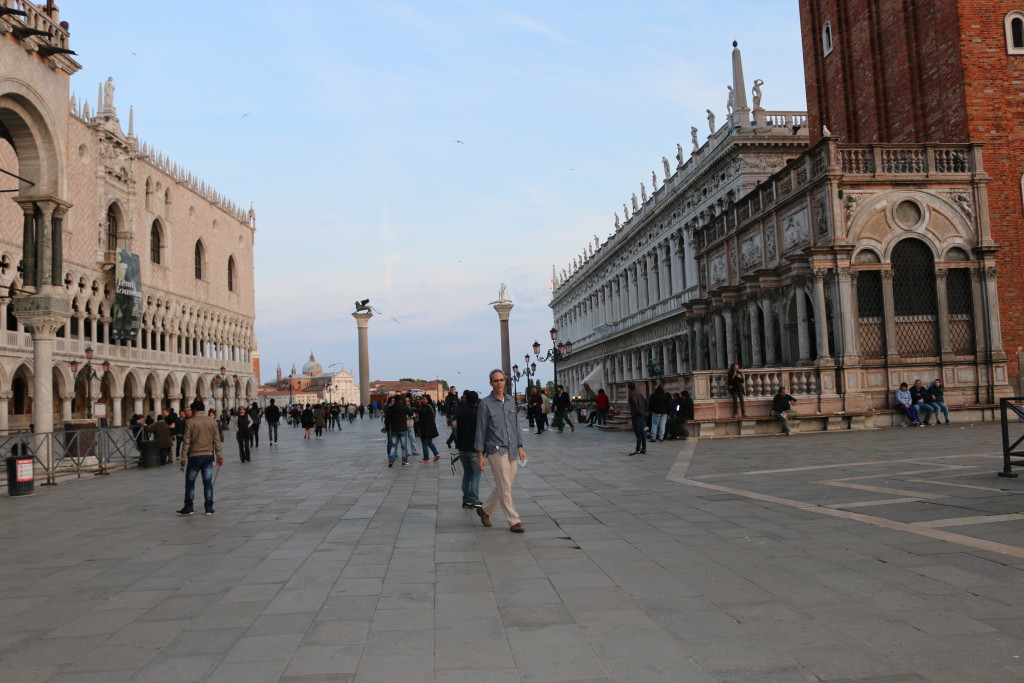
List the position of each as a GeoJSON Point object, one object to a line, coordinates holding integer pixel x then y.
{"type": "Point", "coordinates": [949, 71]}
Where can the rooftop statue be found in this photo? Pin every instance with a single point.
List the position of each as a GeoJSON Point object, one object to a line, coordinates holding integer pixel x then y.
{"type": "Point", "coordinates": [757, 92]}
{"type": "Point", "coordinates": [693, 136]}
{"type": "Point", "coordinates": [711, 121]}
{"type": "Point", "coordinates": [664, 162]}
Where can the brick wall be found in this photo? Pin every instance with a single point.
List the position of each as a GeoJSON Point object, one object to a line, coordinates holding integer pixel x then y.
{"type": "Point", "coordinates": [936, 71]}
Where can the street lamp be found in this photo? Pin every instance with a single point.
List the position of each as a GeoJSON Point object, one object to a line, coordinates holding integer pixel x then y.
{"type": "Point", "coordinates": [88, 373]}
{"type": "Point", "coordinates": [529, 370]}
{"type": "Point", "coordinates": [557, 352]}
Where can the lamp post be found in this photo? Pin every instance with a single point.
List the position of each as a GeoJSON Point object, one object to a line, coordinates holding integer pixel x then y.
{"type": "Point", "coordinates": [557, 352]}
{"type": "Point", "coordinates": [88, 373]}
{"type": "Point", "coordinates": [529, 370]}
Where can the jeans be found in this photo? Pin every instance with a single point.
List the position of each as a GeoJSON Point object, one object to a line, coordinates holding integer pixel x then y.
{"type": "Point", "coordinates": [658, 426]}
{"type": "Point", "coordinates": [399, 439]}
{"type": "Point", "coordinates": [428, 445]}
{"type": "Point", "coordinates": [783, 416]}
{"type": "Point", "coordinates": [910, 411]}
{"type": "Point", "coordinates": [936, 406]}
{"type": "Point", "coordinates": [638, 430]}
{"type": "Point", "coordinates": [197, 464]}
{"type": "Point", "coordinates": [410, 438]}
{"type": "Point", "coordinates": [337, 421]}
{"type": "Point", "coordinates": [925, 410]}
{"type": "Point", "coordinates": [470, 478]}
{"type": "Point", "coordinates": [272, 432]}
{"type": "Point", "coordinates": [541, 419]}
{"type": "Point", "coordinates": [254, 436]}
{"type": "Point", "coordinates": [602, 414]}
{"type": "Point", "coordinates": [562, 419]}
{"type": "Point", "coordinates": [243, 446]}
{"type": "Point", "coordinates": [165, 456]}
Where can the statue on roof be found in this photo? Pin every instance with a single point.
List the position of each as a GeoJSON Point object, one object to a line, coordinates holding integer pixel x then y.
{"type": "Point", "coordinates": [711, 121]}
{"type": "Point", "coordinates": [756, 92]}
{"type": "Point", "coordinates": [730, 103]}
{"type": "Point", "coordinates": [693, 136]}
{"type": "Point", "coordinates": [664, 162]}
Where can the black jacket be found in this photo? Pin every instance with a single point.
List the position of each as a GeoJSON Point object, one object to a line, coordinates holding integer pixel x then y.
{"type": "Point", "coordinates": [428, 422]}
{"type": "Point", "coordinates": [686, 407]}
{"type": "Point", "coordinates": [935, 394]}
{"type": "Point", "coordinates": [658, 402]}
{"type": "Point", "coordinates": [272, 413]}
{"type": "Point", "coordinates": [465, 429]}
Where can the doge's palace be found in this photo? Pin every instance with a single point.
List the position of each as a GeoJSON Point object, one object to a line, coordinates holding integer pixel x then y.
{"type": "Point", "coordinates": [83, 194]}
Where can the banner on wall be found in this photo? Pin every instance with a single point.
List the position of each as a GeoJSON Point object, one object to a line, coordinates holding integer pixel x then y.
{"type": "Point", "coordinates": [126, 312]}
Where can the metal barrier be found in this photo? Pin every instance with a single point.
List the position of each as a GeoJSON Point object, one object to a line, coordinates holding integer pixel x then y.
{"type": "Point", "coordinates": [74, 451]}
{"type": "Point", "coordinates": [1007, 406]}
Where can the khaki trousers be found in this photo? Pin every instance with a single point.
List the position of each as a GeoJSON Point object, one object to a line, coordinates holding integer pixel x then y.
{"type": "Point", "coordinates": [504, 472]}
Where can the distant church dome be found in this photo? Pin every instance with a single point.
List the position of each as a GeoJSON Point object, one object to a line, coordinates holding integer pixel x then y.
{"type": "Point", "coordinates": [311, 367]}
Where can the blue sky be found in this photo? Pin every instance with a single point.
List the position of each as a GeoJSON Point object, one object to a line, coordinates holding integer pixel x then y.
{"type": "Point", "coordinates": [339, 121]}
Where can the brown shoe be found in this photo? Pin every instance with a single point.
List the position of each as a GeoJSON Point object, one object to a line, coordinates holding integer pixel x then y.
{"type": "Point", "coordinates": [484, 517]}
{"type": "Point", "coordinates": [517, 528]}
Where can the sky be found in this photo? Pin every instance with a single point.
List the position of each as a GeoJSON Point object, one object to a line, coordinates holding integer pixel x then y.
{"type": "Point", "coordinates": [421, 154]}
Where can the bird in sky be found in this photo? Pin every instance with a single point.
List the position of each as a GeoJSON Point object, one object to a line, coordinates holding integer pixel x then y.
{"type": "Point", "coordinates": [246, 114]}
{"type": "Point", "coordinates": [459, 142]}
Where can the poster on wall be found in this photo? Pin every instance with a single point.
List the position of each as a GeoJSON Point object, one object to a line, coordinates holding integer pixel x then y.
{"type": "Point", "coordinates": [126, 312]}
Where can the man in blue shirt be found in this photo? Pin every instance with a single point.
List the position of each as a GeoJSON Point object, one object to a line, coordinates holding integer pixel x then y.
{"type": "Point", "coordinates": [498, 437]}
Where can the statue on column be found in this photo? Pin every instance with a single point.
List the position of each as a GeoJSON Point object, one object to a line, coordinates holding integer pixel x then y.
{"type": "Point", "coordinates": [625, 212]}
{"type": "Point", "coordinates": [636, 206]}
{"type": "Point", "coordinates": [756, 92]}
{"type": "Point", "coordinates": [730, 103]}
{"type": "Point", "coordinates": [679, 155]}
{"type": "Point", "coordinates": [643, 193]}
{"type": "Point", "coordinates": [711, 121]}
{"type": "Point", "coordinates": [654, 181]}
{"type": "Point", "coordinates": [693, 136]}
{"type": "Point", "coordinates": [664, 162]}
{"type": "Point", "coordinates": [618, 223]}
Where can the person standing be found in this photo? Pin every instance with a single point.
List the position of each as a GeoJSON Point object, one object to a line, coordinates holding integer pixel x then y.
{"type": "Point", "coordinates": [410, 424]}
{"type": "Point", "coordinates": [685, 412]}
{"type": "Point", "coordinates": [563, 404]}
{"type": "Point", "coordinates": [162, 431]}
{"type": "Point", "coordinates": [498, 437]}
{"type": "Point", "coordinates": [465, 440]}
{"type": "Point", "coordinates": [658, 406]}
{"type": "Point", "coordinates": [397, 415]}
{"type": "Point", "coordinates": [254, 417]}
{"type": "Point", "coordinates": [201, 447]}
{"type": "Point", "coordinates": [273, 417]}
{"type": "Point", "coordinates": [319, 421]}
{"type": "Point", "coordinates": [735, 383]}
{"type": "Point", "coordinates": [637, 412]}
{"type": "Point", "coordinates": [307, 420]}
{"type": "Point", "coordinates": [243, 434]}
{"type": "Point", "coordinates": [428, 431]}
{"type": "Point", "coordinates": [601, 405]}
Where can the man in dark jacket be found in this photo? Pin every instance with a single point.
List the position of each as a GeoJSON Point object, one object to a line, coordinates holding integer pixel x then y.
{"type": "Point", "coordinates": [273, 417]}
{"type": "Point", "coordinates": [637, 413]}
{"type": "Point", "coordinates": [658, 406]}
{"type": "Point", "coordinates": [563, 404]}
{"type": "Point", "coordinates": [162, 430]}
{"type": "Point", "coordinates": [781, 403]}
{"type": "Point", "coordinates": [398, 414]}
{"type": "Point", "coordinates": [935, 397]}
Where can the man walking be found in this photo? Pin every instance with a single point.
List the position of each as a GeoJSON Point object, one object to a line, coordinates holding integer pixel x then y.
{"type": "Point", "coordinates": [199, 450]}
{"type": "Point", "coordinates": [273, 417]}
{"type": "Point", "coordinates": [637, 413]}
{"type": "Point", "coordinates": [498, 437]}
{"type": "Point", "coordinates": [563, 404]}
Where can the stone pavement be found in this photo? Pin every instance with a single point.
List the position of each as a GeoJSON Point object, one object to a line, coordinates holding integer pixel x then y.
{"type": "Point", "coordinates": [890, 555]}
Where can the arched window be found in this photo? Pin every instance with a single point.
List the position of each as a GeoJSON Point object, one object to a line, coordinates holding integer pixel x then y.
{"type": "Point", "coordinates": [199, 259]}
{"type": "Point", "coordinates": [112, 228]}
{"type": "Point", "coordinates": [826, 37]}
{"type": "Point", "coordinates": [913, 289]}
{"type": "Point", "coordinates": [871, 314]}
{"type": "Point", "coordinates": [155, 242]}
{"type": "Point", "coordinates": [231, 273]}
{"type": "Point", "coordinates": [1013, 24]}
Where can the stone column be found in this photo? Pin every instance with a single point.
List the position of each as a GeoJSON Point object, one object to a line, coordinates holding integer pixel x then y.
{"type": "Point", "coordinates": [138, 406]}
{"type": "Point", "coordinates": [65, 406]}
{"type": "Point", "coordinates": [820, 318]}
{"type": "Point", "coordinates": [679, 352]}
{"type": "Point", "coordinates": [981, 313]}
{"type": "Point", "coordinates": [720, 343]}
{"type": "Point", "coordinates": [803, 336]}
{"type": "Point", "coordinates": [942, 299]}
{"type": "Point", "coordinates": [754, 314]}
{"type": "Point", "coordinates": [770, 326]}
{"type": "Point", "coordinates": [677, 275]}
{"type": "Point", "coordinates": [992, 309]}
{"type": "Point", "coordinates": [847, 294]}
{"type": "Point", "coordinates": [731, 356]}
{"type": "Point", "coordinates": [42, 314]}
{"type": "Point", "coordinates": [362, 322]}
{"type": "Point", "coordinates": [667, 272]}
{"type": "Point", "coordinates": [117, 418]}
{"type": "Point", "coordinates": [504, 308]}
{"type": "Point", "coordinates": [889, 307]}
{"type": "Point", "coordinates": [5, 399]}
{"type": "Point", "coordinates": [700, 345]}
